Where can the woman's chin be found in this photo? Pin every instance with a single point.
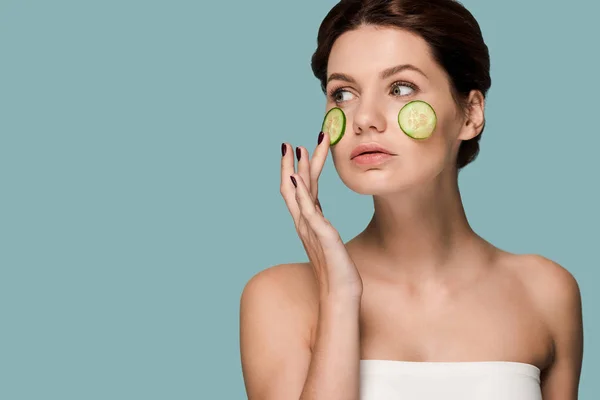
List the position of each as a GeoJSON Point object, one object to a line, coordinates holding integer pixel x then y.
{"type": "Point", "coordinates": [374, 187]}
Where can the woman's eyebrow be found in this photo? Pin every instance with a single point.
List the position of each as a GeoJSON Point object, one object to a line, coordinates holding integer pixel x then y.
{"type": "Point", "coordinates": [340, 77]}
{"type": "Point", "coordinates": [401, 67]}
{"type": "Point", "coordinates": [384, 74]}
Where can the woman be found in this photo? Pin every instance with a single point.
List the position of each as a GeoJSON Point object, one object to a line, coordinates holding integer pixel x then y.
{"type": "Point", "coordinates": [416, 306]}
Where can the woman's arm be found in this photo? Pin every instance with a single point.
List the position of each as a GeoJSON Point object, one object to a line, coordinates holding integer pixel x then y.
{"type": "Point", "coordinates": [277, 362]}
{"type": "Point", "coordinates": [334, 368]}
{"type": "Point", "coordinates": [560, 302]}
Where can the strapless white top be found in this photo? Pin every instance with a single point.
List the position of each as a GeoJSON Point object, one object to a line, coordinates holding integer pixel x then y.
{"type": "Point", "coordinates": [469, 380]}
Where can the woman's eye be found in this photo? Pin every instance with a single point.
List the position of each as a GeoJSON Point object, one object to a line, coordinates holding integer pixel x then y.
{"type": "Point", "coordinates": [339, 96]}
{"type": "Point", "coordinates": [401, 90]}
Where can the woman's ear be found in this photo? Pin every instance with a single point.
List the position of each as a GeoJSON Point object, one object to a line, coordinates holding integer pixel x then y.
{"type": "Point", "coordinates": [475, 117]}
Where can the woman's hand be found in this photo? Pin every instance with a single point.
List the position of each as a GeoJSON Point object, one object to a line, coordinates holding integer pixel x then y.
{"type": "Point", "coordinates": [335, 271]}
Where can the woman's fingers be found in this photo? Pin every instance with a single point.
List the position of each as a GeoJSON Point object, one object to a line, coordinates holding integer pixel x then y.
{"type": "Point", "coordinates": [309, 170]}
{"type": "Point", "coordinates": [319, 205]}
{"type": "Point", "coordinates": [286, 188]}
{"type": "Point", "coordinates": [303, 164]}
{"type": "Point", "coordinates": [317, 162]}
{"type": "Point", "coordinates": [308, 208]}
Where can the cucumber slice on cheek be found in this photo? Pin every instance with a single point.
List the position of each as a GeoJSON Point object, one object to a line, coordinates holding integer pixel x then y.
{"type": "Point", "coordinates": [417, 119]}
{"type": "Point", "coordinates": [334, 124]}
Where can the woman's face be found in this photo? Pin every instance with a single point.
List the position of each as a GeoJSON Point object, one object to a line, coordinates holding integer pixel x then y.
{"type": "Point", "coordinates": [371, 99]}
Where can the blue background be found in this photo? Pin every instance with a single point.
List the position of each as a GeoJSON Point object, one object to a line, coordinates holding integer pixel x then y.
{"type": "Point", "coordinates": [139, 172]}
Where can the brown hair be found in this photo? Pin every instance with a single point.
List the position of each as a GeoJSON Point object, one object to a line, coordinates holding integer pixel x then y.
{"type": "Point", "coordinates": [447, 26]}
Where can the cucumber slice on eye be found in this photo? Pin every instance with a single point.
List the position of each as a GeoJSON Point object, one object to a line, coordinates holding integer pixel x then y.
{"type": "Point", "coordinates": [334, 124]}
{"type": "Point", "coordinates": [417, 119]}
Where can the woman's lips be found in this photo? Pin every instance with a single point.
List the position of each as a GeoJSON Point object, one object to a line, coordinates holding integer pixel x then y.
{"type": "Point", "coordinates": [372, 158]}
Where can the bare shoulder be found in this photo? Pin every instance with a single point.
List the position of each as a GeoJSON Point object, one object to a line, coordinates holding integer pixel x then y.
{"type": "Point", "coordinates": [294, 283]}
{"type": "Point", "coordinates": [553, 289]}
{"type": "Point", "coordinates": [556, 295]}
{"type": "Point", "coordinates": [288, 290]}
{"type": "Point", "coordinates": [276, 330]}
{"type": "Point", "coordinates": [548, 282]}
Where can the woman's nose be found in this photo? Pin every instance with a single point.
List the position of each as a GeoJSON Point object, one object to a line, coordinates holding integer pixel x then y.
{"type": "Point", "coordinates": [369, 116]}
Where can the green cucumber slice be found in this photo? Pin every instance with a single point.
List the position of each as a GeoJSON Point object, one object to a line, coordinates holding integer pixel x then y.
{"type": "Point", "coordinates": [334, 124]}
{"type": "Point", "coordinates": [417, 119]}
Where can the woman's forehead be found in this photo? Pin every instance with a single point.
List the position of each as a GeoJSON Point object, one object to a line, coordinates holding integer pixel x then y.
{"type": "Point", "coordinates": [371, 49]}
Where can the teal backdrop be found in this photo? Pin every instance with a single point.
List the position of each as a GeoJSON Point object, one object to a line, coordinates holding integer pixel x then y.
{"type": "Point", "coordinates": [139, 178]}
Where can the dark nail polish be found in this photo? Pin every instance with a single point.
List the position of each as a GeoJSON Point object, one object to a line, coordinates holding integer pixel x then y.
{"type": "Point", "coordinates": [298, 153]}
{"type": "Point", "coordinates": [321, 135]}
{"type": "Point", "coordinates": [294, 181]}
{"type": "Point", "coordinates": [283, 149]}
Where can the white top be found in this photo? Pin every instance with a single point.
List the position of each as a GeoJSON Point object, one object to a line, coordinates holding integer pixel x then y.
{"type": "Point", "coordinates": [473, 380]}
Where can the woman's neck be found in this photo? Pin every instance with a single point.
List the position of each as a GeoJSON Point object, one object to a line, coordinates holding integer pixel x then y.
{"type": "Point", "coordinates": [421, 234]}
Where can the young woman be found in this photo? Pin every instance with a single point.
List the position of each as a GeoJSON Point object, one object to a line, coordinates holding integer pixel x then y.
{"type": "Point", "coordinates": [417, 305]}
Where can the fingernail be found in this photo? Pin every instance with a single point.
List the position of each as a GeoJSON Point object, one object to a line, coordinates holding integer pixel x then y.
{"type": "Point", "coordinates": [294, 181]}
{"type": "Point", "coordinates": [283, 149]}
{"type": "Point", "coordinates": [321, 135]}
{"type": "Point", "coordinates": [298, 153]}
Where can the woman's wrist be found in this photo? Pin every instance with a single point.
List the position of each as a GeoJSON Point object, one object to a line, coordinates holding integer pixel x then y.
{"type": "Point", "coordinates": [337, 303]}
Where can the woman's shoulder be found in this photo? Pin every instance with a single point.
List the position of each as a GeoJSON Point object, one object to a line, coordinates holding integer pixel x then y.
{"type": "Point", "coordinates": [276, 316]}
{"type": "Point", "coordinates": [542, 276]}
{"type": "Point", "coordinates": [552, 288]}
{"type": "Point", "coordinates": [293, 279]}
{"type": "Point", "coordinates": [291, 286]}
